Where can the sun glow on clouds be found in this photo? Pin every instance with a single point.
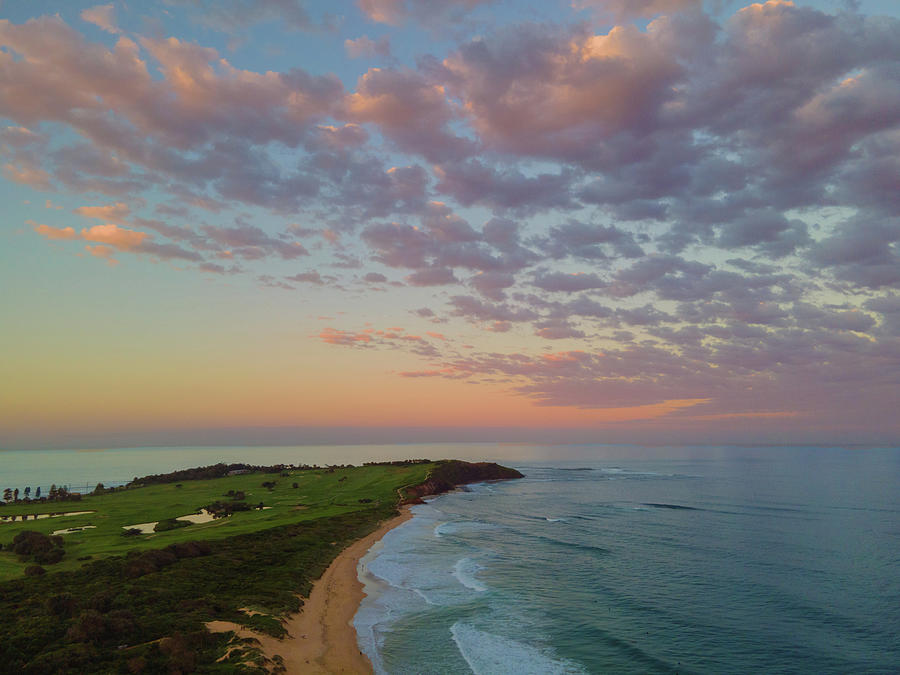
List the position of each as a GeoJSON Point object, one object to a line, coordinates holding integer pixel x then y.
{"type": "Point", "coordinates": [638, 213]}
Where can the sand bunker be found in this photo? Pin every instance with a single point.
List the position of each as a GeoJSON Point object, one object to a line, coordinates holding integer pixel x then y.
{"type": "Point", "coordinates": [70, 530]}
{"type": "Point", "coordinates": [40, 516]}
{"type": "Point", "coordinates": [203, 517]}
{"type": "Point", "coordinates": [196, 518]}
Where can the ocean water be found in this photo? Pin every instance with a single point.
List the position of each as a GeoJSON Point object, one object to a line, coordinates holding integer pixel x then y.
{"type": "Point", "coordinates": [696, 560]}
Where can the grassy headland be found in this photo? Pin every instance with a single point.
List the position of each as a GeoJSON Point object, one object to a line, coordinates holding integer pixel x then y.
{"type": "Point", "coordinates": [138, 603]}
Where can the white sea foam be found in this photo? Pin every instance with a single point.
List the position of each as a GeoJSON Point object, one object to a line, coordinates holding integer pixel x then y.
{"type": "Point", "coordinates": [389, 586]}
{"type": "Point", "coordinates": [465, 570]}
{"type": "Point", "coordinates": [489, 654]}
{"type": "Point", "coordinates": [463, 526]}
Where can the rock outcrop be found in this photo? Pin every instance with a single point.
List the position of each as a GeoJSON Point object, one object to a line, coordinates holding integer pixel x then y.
{"type": "Point", "coordinates": [451, 473]}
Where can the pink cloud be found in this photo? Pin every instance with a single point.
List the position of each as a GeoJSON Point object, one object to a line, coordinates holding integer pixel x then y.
{"type": "Point", "coordinates": [365, 47]}
{"type": "Point", "coordinates": [335, 336]}
{"type": "Point", "coordinates": [384, 11]}
{"type": "Point", "coordinates": [28, 175]}
{"type": "Point", "coordinates": [102, 16]}
{"type": "Point", "coordinates": [111, 212]}
{"type": "Point", "coordinates": [111, 238]}
{"type": "Point", "coordinates": [341, 137]}
{"type": "Point", "coordinates": [104, 252]}
{"type": "Point", "coordinates": [120, 238]}
{"type": "Point", "coordinates": [396, 12]}
{"type": "Point", "coordinates": [311, 277]}
{"type": "Point", "coordinates": [620, 10]}
{"type": "Point", "coordinates": [20, 136]}
{"type": "Point", "coordinates": [51, 232]}
{"type": "Point", "coordinates": [559, 94]}
{"type": "Point", "coordinates": [410, 110]}
{"type": "Point", "coordinates": [392, 338]}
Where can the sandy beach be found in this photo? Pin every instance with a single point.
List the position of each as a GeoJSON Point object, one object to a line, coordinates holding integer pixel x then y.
{"type": "Point", "coordinates": [321, 637]}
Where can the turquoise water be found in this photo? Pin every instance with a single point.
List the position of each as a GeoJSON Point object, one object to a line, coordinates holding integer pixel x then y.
{"type": "Point", "coordinates": [649, 560]}
{"type": "Point", "coordinates": [719, 561]}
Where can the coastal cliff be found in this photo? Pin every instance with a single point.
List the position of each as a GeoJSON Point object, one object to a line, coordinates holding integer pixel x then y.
{"type": "Point", "coordinates": [451, 473]}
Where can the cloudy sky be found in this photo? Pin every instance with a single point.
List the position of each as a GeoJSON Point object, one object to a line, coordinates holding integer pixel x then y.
{"type": "Point", "coordinates": [662, 221]}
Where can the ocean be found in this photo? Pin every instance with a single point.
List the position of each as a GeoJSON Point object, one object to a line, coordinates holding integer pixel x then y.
{"type": "Point", "coordinates": [609, 559]}
{"type": "Point", "coordinates": [717, 561]}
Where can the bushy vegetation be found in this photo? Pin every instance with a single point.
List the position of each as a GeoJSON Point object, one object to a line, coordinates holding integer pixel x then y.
{"type": "Point", "coordinates": [216, 471]}
{"type": "Point", "coordinates": [37, 547]}
{"type": "Point", "coordinates": [220, 509]}
{"type": "Point", "coordinates": [56, 494]}
{"type": "Point", "coordinates": [111, 615]}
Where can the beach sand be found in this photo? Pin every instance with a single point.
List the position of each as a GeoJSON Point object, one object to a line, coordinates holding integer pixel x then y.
{"type": "Point", "coordinates": [321, 637]}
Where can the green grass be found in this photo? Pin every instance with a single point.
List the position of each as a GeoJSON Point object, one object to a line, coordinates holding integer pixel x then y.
{"type": "Point", "coordinates": [321, 494]}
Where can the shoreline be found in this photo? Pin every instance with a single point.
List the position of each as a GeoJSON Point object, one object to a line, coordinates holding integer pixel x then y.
{"type": "Point", "coordinates": [321, 637]}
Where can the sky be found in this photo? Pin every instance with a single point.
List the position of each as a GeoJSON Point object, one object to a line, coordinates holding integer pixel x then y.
{"type": "Point", "coordinates": [289, 221]}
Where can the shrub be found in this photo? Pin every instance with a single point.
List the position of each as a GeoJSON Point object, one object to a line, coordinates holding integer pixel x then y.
{"type": "Point", "coordinates": [180, 653]}
{"type": "Point", "coordinates": [50, 557]}
{"type": "Point", "coordinates": [137, 665]}
{"type": "Point", "coordinates": [61, 605]}
{"type": "Point", "coordinates": [102, 601]}
{"type": "Point", "coordinates": [34, 571]}
{"type": "Point", "coordinates": [170, 524]}
{"type": "Point", "coordinates": [92, 626]}
{"type": "Point", "coordinates": [190, 549]}
{"type": "Point", "coordinates": [220, 509]}
{"type": "Point", "coordinates": [37, 547]}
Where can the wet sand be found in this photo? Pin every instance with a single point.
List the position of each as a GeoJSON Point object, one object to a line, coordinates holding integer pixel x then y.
{"type": "Point", "coordinates": [321, 637]}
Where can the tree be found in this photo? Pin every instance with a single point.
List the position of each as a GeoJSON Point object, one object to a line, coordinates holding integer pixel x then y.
{"type": "Point", "coordinates": [53, 492]}
{"type": "Point", "coordinates": [27, 492]}
{"type": "Point", "coordinates": [7, 495]}
{"type": "Point", "coordinates": [16, 495]}
{"type": "Point", "coordinates": [99, 490]}
{"type": "Point", "coordinates": [37, 493]}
